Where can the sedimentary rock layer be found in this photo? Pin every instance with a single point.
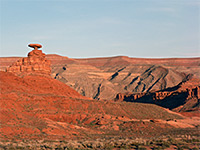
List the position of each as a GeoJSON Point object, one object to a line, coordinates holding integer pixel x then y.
{"type": "Point", "coordinates": [35, 63]}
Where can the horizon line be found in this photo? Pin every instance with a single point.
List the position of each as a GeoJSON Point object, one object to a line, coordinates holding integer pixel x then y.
{"type": "Point", "coordinates": [113, 56]}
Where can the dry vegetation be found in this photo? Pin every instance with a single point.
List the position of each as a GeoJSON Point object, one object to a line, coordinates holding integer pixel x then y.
{"type": "Point", "coordinates": [117, 143]}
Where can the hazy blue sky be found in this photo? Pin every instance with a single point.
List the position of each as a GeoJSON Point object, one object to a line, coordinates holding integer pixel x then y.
{"type": "Point", "coordinates": [95, 28]}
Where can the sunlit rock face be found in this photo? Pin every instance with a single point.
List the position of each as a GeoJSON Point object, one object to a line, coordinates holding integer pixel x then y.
{"type": "Point", "coordinates": [35, 63]}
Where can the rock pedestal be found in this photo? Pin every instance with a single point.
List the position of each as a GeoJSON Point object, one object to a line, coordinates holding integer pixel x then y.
{"type": "Point", "coordinates": [35, 63]}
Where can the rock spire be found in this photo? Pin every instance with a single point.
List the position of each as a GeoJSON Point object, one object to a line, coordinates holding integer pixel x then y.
{"type": "Point", "coordinates": [35, 63]}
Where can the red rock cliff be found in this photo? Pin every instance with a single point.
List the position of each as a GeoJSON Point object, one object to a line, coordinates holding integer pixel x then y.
{"type": "Point", "coordinates": [186, 95]}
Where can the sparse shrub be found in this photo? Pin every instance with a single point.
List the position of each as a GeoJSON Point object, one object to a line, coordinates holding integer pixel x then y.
{"type": "Point", "coordinates": [194, 148]}
{"type": "Point", "coordinates": [12, 148]}
{"type": "Point", "coordinates": [157, 148]}
{"type": "Point", "coordinates": [180, 148]}
{"type": "Point", "coordinates": [78, 121]}
{"type": "Point", "coordinates": [92, 123]}
{"type": "Point", "coordinates": [195, 140]}
{"type": "Point", "coordinates": [20, 147]}
{"type": "Point", "coordinates": [141, 148]}
{"type": "Point", "coordinates": [191, 140]}
{"type": "Point", "coordinates": [163, 144]}
{"type": "Point", "coordinates": [132, 146]}
{"type": "Point", "coordinates": [109, 147]}
{"type": "Point", "coordinates": [171, 140]}
{"type": "Point", "coordinates": [184, 147]}
{"type": "Point", "coordinates": [124, 147]}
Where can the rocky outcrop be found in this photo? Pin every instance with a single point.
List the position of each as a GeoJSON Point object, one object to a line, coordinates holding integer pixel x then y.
{"type": "Point", "coordinates": [35, 63]}
{"type": "Point", "coordinates": [191, 93]}
{"type": "Point", "coordinates": [172, 98]}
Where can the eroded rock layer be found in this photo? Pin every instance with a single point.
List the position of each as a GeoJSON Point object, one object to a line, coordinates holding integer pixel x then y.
{"type": "Point", "coordinates": [35, 63]}
{"type": "Point", "coordinates": [183, 97]}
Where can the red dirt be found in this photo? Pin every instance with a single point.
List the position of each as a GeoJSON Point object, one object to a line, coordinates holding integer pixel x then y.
{"type": "Point", "coordinates": [37, 107]}
{"type": "Point", "coordinates": [22, 99]}
{"type": "Point", "coordinates": [36, 85]}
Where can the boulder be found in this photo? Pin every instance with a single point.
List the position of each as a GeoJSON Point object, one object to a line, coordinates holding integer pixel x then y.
{"type": "Point", "coordinates": [35, 46]}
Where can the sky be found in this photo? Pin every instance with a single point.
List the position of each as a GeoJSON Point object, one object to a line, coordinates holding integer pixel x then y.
{"type": "Point", "coordinates": [101, 28]}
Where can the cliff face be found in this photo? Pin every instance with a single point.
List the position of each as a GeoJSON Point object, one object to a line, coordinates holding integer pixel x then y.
{"type": "Point", "coordinates": [35, 63]}
{"type": "Point", "coordinates": [183, 97]}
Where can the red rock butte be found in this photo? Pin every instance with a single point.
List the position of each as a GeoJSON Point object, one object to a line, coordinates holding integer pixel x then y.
{"type": "Point", "coordinates": [35, 63]}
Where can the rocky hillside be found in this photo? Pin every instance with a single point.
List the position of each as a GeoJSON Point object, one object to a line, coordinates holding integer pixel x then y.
{"type": "Point", "coordinates": [35, 106]}
{"type": "Point", "coordinates": [38, 107]}
{"type": "Point", "coordinates": [104, 78]}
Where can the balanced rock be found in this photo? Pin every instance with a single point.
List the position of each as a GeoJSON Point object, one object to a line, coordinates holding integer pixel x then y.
{"type": "Point", "coordinates": [35, 63]}
{"type": "Point", "coordinates": [35, 46]}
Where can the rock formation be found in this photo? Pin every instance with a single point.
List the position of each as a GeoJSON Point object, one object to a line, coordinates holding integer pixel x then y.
{"type": "Point", "coordinates": [35, 63]}
{"type": "Point", "coordinates": [103, 78]}
{"type": "Point", "coordinates": [181, 95]}
{"type": "Point", "coordinates": [159, 95]}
